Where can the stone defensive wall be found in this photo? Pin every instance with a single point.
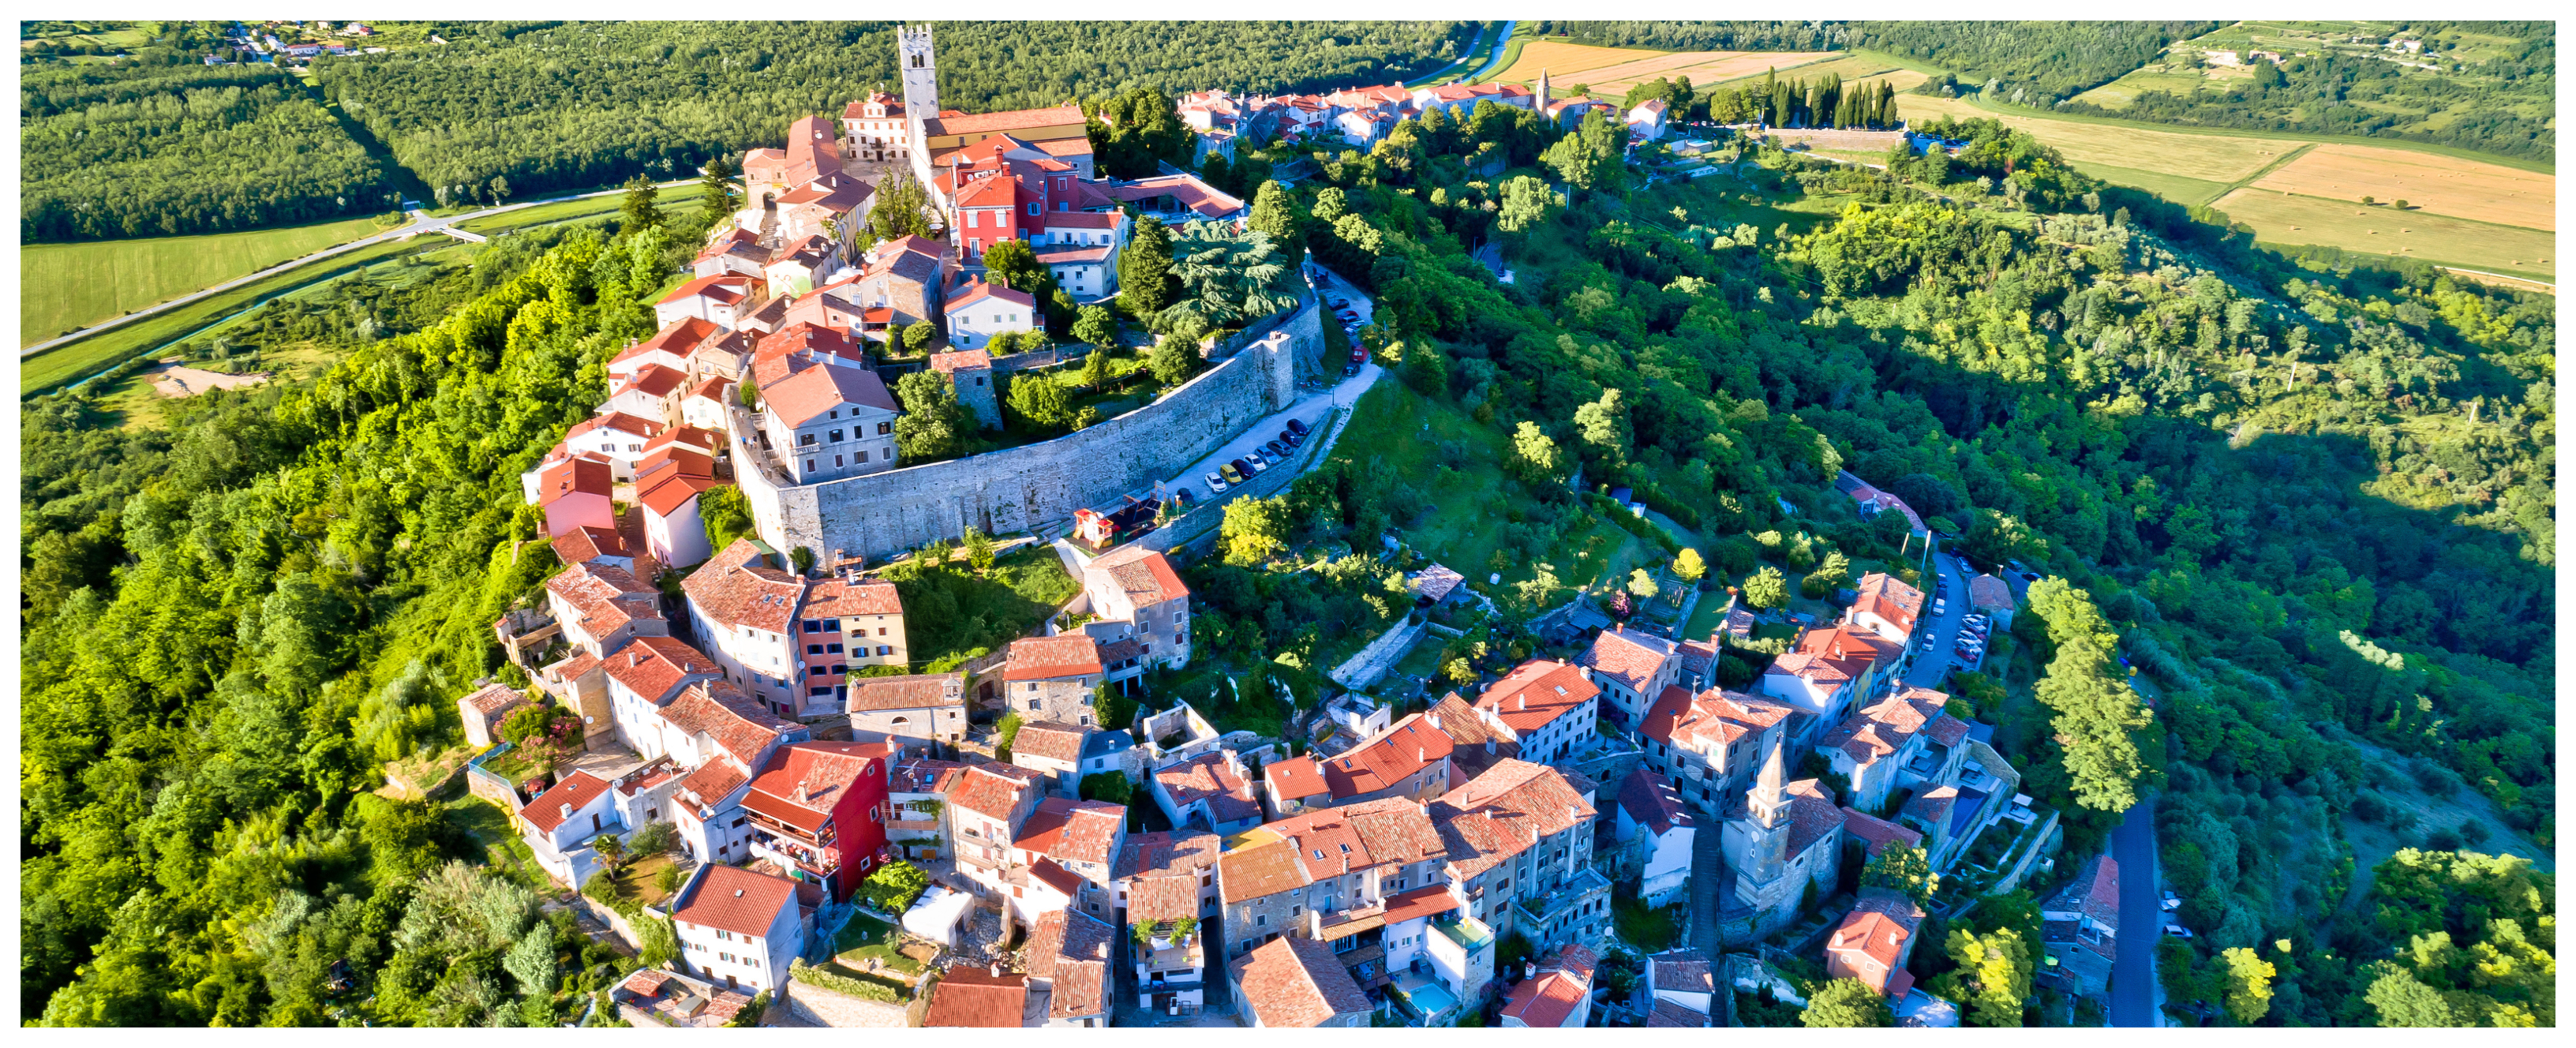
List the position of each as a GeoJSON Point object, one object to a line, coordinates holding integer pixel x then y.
{"type": "Point", "coordinates": [1036, 485]}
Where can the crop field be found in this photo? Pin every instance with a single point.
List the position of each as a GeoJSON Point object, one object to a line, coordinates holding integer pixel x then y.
{"type": "Point", "coordinates": [67, 286]}
{"type": "Point", "coordinates": [2215, 158]}
{"type": "Point", "coordinates": [1810, 65]}
{"type": "Point", "coordinates": [2282, 218]}
{"type": "Point", "coordinates": [2434, 184]}
{"type": "Point", "coordinates": [1705, 68]}
{"type": "Point", "coordinates": [1563, 61]}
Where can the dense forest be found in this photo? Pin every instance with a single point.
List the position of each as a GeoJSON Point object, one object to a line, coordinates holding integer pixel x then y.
{"type": "Point", "coordinates": [154, 143]}
{"type": "Point", "coordinates": [1824, 101]}
{"type": "Point", "coordinates": [513, 109]}
{"type": "Point", "coordinates": [2033, 63]}
{"type": "Point", "coordinates": [2312, 504]}
{"type": "Point", "coordinates": [2343, 94]}
{"type": "Point", "coordinates": [1752, 35]}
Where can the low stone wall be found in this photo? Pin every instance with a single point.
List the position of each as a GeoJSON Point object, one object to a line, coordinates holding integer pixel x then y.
{"type": "Point", "coordinates": [816, 1006]}
{"type": "Point", "coordinates": [488, 784]}
{"type": "Point", "coordinates": [1038, 485]}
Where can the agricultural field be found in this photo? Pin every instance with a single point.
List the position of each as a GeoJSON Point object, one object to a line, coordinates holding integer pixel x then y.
{"type": "Point", "coordinates": [1809, 66]}
{"type": "Point", "coordinates": [2434, 184]}
{"type": "Point", "coordinates": [1611, 71]}
{"type": "Point", "coordinates": [2208, 157]}
{"type": "Point", "coordinates": [66, 286]}
{"type": "Point", "coordinates": [2184, 70]}
{"type": "Point", "coordinates": [2282, 218]}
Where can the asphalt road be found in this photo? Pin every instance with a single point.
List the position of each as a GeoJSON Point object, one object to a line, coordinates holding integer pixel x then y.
{"type": "Point", "coordinates": [2133, 969]}
{"type": "Point", "coordinates": [421, 222]}
{"type": "Point", "coordinates": [1930, 668]}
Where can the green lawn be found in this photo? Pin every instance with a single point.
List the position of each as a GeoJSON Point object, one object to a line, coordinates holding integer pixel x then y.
{"type": "Point", "coordinates": [672, 199]}
{"type": "Point", "coordinates": [865, 939]}
{"type": "Point", "coordinates": [67, 286]}
{"type": "Point", "coordinates": [955, 611]}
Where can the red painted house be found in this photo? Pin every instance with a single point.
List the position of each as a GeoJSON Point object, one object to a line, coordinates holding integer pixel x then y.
{"type": "Point", "coordinates": [818, 809]}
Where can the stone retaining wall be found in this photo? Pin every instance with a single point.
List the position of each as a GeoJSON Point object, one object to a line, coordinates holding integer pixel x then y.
{"type": "Point", "coordinates": [816, 1006]}
{"type": "Point", "coordinates": [1039, 485]}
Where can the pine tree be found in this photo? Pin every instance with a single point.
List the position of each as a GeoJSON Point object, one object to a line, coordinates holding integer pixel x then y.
{"type": "Point", "coordinates": [1145, 270]}
{"type": "Point", "coordinates": [1272, 214]}
{"type": "Point", "coordinates": [717, 185]}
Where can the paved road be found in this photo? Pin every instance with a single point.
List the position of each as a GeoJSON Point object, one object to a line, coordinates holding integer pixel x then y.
{"type": "Point", "coordinates": [421, 222]}
{"type": "Point", "coordinates": [1309, 407]}
{"type": "Point", "coordinates": [1708, 854]}
{"type": "Point", "coordinates": [2133, 970]}
{"type": "Point", "coordinates": [1929, 668]}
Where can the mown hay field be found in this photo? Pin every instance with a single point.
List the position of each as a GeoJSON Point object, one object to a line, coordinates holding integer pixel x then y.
{"type": "Point", "coordinates": [2282, 218]}
{"type": "Point", "coordinates": [1563, 61]}
{"type": "Point", "coordinates": [2435, 184]}
{"type": "Point", "coordinates": [2213, 158]}
{"type": "Point", "coordinates": [66, 286]}
{"type": "Point", "coordinates": [1710, 67]}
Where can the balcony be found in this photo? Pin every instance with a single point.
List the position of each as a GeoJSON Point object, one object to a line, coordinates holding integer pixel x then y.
{"type": "Point", "coordinates": [819, 863]}
{"type": "Point", "coordinates": [798, 835]}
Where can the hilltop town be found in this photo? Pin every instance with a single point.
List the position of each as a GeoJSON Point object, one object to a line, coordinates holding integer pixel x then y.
{"type": "Point", "coordinates": [992, 845]}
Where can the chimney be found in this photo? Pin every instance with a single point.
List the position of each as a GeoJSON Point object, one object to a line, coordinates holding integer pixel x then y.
{"type": "Point", "coordinates": [567, 810]}
{"type": "Point", "coordinates": [1520, 702]}
{"type": "Point", "coordinates": [1435, 721]}
{"type": "Point", "coordinates": [996, 969]}
{"type": "Point", "coordinates": [737, 893]}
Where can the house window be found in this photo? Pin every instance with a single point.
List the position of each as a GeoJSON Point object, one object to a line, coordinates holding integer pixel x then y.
{"type": "Point", "coordinates": [863, 456]}
{"type": "Point", "coordinates": [804, 440]}
{"type": "Point", "coordinates": [836, 461]}
{"type": "Point", "coordinates": [884, 428]}
{"type": "Point", "coordinates": [1033, 703]}
{"type": "Point", "coordinates": [813, 649]}
{"type": "Point", "coordinates": [885, 649]}
{"type": "Point", "coordinates": [1033, 209]}
{"type": "Point", "coordinates": [836, 436]}
{"type": "Point", "coordinates": [831, 648]}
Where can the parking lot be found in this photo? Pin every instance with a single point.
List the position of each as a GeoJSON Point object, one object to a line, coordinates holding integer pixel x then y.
{"type": "Point", "coordinates": [1309, 410]}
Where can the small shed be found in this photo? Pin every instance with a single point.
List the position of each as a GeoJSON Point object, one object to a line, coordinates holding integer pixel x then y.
{"type": "Point", "coordinates": [939, 915]}
{"type": "Point", "coordinates": [485, 709]}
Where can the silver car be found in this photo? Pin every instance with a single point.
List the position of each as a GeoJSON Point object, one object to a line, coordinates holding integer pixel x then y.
{"type": "Point", "coordinates": [1215, 483]}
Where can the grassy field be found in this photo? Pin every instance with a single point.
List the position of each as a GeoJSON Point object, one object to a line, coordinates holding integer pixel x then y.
{"type": "Point", "coordinates": [1703, 67]}
{"type": "Point", "coordinates": [2288, 219]}
{"type": "Point", "coordinates": [2225, 158]}
{"type": "Point", "coordinates": [2439, 185]}
{"type": "Point", "coordinates": [672, 199]}
{"type": "Point", "coordinates": [63, 287]}
{"type": "Point", "coordinates": [1564, 62]}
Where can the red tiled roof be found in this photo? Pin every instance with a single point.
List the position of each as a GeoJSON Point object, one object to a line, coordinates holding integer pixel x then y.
{"type": "Point", "coordinates": [737, 900]}
{"type": "Point", "coordinates": [1293, 982]}
{"type": "Point", "coordinates": [737, 588]}
{"type": "Point", "coordinates": [972, 997]}
{"type": "Point", "coordinates": [584, 544]}
{"type": "Point", "coordinates": [605, 596]}
{"type": "Point", "coordinates": [1188, 190]}
{"type": "Point", "coordinates": [978, 290]}
{"type": "Point", "coordinates": [804, 396]}
{"type": "Point", "coordinates": [1162, 897]}
{"type": "Point", "coordinates": [1632, 659]}
{"type": "Point", "coordinates": [494, 698]}
{"type": "Point", "coordinates": [715, 780]}
{"type": "Point", "coordinates": [1836, 654]}
{"type": "Point", "coordinates": [1668, 1014]}
{"type": "Point", "coordinates": [1072, 949]}
{"type": "Point", "coordinates": [1877, 833]}
{"type": "Point", "coordinates": [1051, 658]}
{"type": "Point", "coordinates": [1295, 778]}
{"type": "Point", "coordinates": [1504, 812]}
{"type": "Point", "coordinates": [1387, 760]}
{"type": "Point", "coordinates": [722, 287]}
{"type": "Point", "coordinates": [1947, 730]}
{"type": "Point", "coordinates": [655, 381]}
{"type": "Point", "coordinates": [573, 793]}
{"type": "Point", "coordinates": [1877, 928]}
{"type": "Point", "coordinates": [1187, 851]}
{"type": "Point", "coordinates": [1880, 730]}
{"type": "Point", "coordinates": [721, 712]}
{"type": "Point", "coordinates": [844, 598]}
{"type": "Point", "coordinates": [1010, 120]}
{"type": "Point", "coordinates": [1210, 778]}
{"type": "Point", "coordinates": [1710, 720]}
{"type": "Point", "coordinates": [1684, 970]}
{"type": "Point", "coordinates": [653, 666]}
{"type": "Point", "coordinates": [1988, 593]}
{"type": "Point", "coordinates": [617, 421]}
{"type": "Point", "coordinates": [1071, 830]}
{"type": "Point", "coordinates": [671, 492]}
{"type": "Point", "coordinates": [1050, 740]}
{"type": "Point", "coordinates": [1329, 842]}
{"type": "Point", "coordinates": [574, 476]}
{"type": "Point", "coordinates": [1536, 692]}
{"type": "Point", "coordinates": [1430, 900]}
{"type": "Point", "coordinates": [923, 775]}
{"type": "Point", "coordinates": [914, 692]}
{"type": "Point", "coordinates": [1564, 980]}
{"type": "Point", "coordinates": [947, 363]}
{"type": "Point", "coordinates": [1889, 598]}
{"type": "Point", "coordinates": [988, 791]}
{"type": "Point", "coordinates": [1145, 575]}
{"type": "Point", "coordinates": [803, 781]}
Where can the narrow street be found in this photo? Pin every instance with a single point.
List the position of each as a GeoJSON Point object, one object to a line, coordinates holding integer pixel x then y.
{"type": "Point", "coordinates": [1931, 667]}
{"type": "Point", "coordinates": [2133, 971]}
{"type": "Point", "coordinates": [1708, 858]}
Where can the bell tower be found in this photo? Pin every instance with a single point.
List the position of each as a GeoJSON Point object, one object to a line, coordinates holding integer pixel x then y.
{"type": "Point", "coordinates": [920, 72]}
{"type": "Point", "coordinates": [1542, 92]}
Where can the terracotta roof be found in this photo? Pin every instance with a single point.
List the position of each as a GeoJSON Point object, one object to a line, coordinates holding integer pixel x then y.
{"type": "Point", "coordinates": [1536, 692]}
{"type": "Point", "coordinates": [1888, 597]}
{"type": "Point", "coordinates": [963, 359]}
{"type": "Point", "coordinates": [721, 712]}
{"type": "Point", "coordinates": [1294, 779]}
{"type": "Point", "coordinates": [804, 396]}
{"type": "Point", "coordinates": [605, 597]}
{"type": "Point", "coordinates": [737, 588]}
{"type": "Point", "coordinates": [1430, 900]}
{"type": "Point", "coordinates": [669, 493]}
{"type": "Point", "coordinates": [1435, 583]}
{"type": "Point", "coordinates": [1189, 851]}
{"type": "Point", "coordinates": [836, 193]}
{"type": "Point", "coordinates": [1049, 739]}
{"type": "Point", "coordinates": [1649, 799]}
{"type": "Point", "coordinates": [1988, 593]}
{"type": "Point", "coordinates": [973, 997]}
{"type": "Point", "coordinates": [1209, 777]}
{"type": "Point", "coordinates": [574, 476]}
{"type": "Point", "coordinates": [491, 699]}
{"type": "Point", "coordinates": [576, 790]}
{"type": "Point", "coordinates": [1877, 833]}
{"type": "Point", "coordinates": [1713, 719]}
{"type": "Point", "coordinates": [989, 791]}
{"type": "Point", "coordinates": [915, 692]}
{"type": "Point", "coordinates": [1564, 980]}
{"type": "Point", "coordinates": [1813, 815]}
{"type": "Point", "coordinates": [1668, 1014]}
{"type": "Point", "coordinates": [1292, 982]}
{"type": "Point", "coordinates": [715, 780]}
{"type": "Point", "coordinates": [803, 781]}
{"type": "Point", "coordinates": [1010, 120]}
{"type": "Point", "coordinates": [1835, 654]}
{"type": "Point", "coordinates": [1145, 575]}
{"type": "Point", "coordinates": [858, 110]}
{"type": "Point", "coordinates": [698, 439]}
{"type": "Point", "coordinates": [1073, 831]}
{"type": "Point", "coordinates": [723, 287]}
{"type": "Point", "coordinates": [976, 291]}
{"type": "Point", "coordinates": [1072, 948]}
{"type": "Point", "coordinates": [1385, 760]}
{"type": "Point", "coordinates": [837, 598]}
{"type": "Point", "coordinates": [924, 775]}
{"type": "Point", "coordinates": [1162, 897]}
{"type": "Point", "coordinates": [737, 900]}
{"type": "Point", "coordinates": [655, 381]}
{"type": "Point", "coordinates": [653, 666]}
{"type": "Point", "coordinates": [1051, 658]}
{"type": "Point", "coordinates": [1880, 730]}
{"type": "Point", "coordinates": [1632, 659]}
{"type": "Point", "coordinates": [584, 544]}
{"type": "Point", "coordinates": [1188, 190]}
{"type": "Point", "coordinates": [1684, 970]}
{"type": "Point", "coordinates": [1072, 254]}
{"type": "Point", "coordinates": [1877, 927]}
{"type": "Point", "coordinates": [1504, 812]}
{"type": "Point", "coordinates": [618, 421]}
{"type": "Point", "coordinates": [1697, 656]}
{"type": "Point", "coordinates": [2094, 892]}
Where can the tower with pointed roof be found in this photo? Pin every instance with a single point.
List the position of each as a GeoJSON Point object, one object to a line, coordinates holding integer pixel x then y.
{"type": "Point", "coordinates": [1541, 90]}
{"type": "Point", "coordinates": [1783, 837]}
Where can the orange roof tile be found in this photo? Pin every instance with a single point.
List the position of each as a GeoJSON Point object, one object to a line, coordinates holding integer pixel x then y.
{"type": "Point", "coordinates": [1536, 692]}
{"type": "Point", "coordinates": [737, 900]}
{"type": "Point", "coordinates": [573, 793]}
{"type": "Point", "coordinates": [1294, 982]}
{"type": "Point", "coordinates": [1052, 658]}
{"type": "Point", "coordinates": [803, 781]}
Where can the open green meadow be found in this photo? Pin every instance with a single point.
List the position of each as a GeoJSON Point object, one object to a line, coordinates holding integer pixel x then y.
{"type": "Point", "coordinates": [63, 287]}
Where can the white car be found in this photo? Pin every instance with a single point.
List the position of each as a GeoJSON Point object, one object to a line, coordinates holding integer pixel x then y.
{"type": "Point", "coordinates": [1258, 463]}
{"type": "Point", "coordinates": [1215, 483]}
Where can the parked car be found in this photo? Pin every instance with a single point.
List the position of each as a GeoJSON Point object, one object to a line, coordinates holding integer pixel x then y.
{"type": "Point", "coordinates": [1274, 449]}
{"type": "Point", "coordinates": [1259, 464]}
{"type": "Point", "coordinates": [1298, 427]}
{"type": "Point", "coordinates": [1341, 303]}
{"type": "Point", "coordinates": [1291, 437]}
{"type": "Point", "coordinates": [1233, 472]}
{"type": "Point", "coordinates": [1359, 355]}
{"type": "Point", "coordinates": [1349, 370]}
{"type": "Point", "coordinates": [1181, 497]}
